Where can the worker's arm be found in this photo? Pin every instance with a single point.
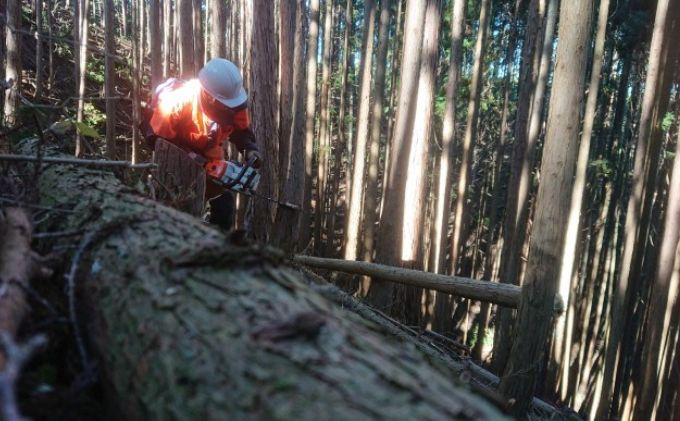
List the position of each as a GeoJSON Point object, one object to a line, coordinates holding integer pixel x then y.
{"type": "Point", "coordinates": [242, 136]}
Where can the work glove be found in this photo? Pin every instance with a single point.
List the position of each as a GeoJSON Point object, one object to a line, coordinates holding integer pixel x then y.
{"type": "Point", "coordinates": [255, 157]}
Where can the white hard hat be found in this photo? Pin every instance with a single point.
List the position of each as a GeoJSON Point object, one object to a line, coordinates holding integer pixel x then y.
{"type": "Point", "coordinates": [222, 80]}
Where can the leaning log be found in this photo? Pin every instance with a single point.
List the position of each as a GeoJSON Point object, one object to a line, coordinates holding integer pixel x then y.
{"type": "Point", "coordinates": [190, 324]}
{"type": "Point", "coordinates": [501, 294]}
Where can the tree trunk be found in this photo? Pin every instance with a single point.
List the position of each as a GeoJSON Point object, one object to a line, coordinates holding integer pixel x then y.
{"type": "Point", "coordinates": [418, 174]}
{"type": "Point", "coordinates": [447, 158]}
{"type": "Point", "coordinates": [460, 218]}
{"type": "Point", "coordinates": [661, 304]}
{"type": "Point", "coordinates": [218, 16]}
{"type": "Point", "coordinates": [155, 42]}
{"type": "Point", "coordinates": [110, 78]}
{"type": "Point", "coordinates": [356, 192]}
{"type": "Point", "coordinates": [168, 28]}
{"type": "Point", "coordinates": [136, 44]}
{"type": "Point", "coordinates": [561, 349]}
{"type": "Point", "coordinates": [263, 76]}
{"type": "Point", "coordinates": [536, 63]}
{"type": "Point", "coordinates": [222, 330]}
{"type": "Point", "coordinates": [646, 158]}
{"type": "Point", "coordinates": [371, 202]}
{"type": "Point", "coordinates": [39, 48]}
{"type": "Point", "coordinates": [343, 139]}
{"type": "Point", "coordinates": [83, 31]}
{"type": "Point", "coordinates": [198, 36]}
{"type": "Point", "coordinates": [185, 38]}
{"type": "Point", "coordinates": [13, 60]}
{"type": "Point", "coordinates": [310, 118]}
{"type": "Point", "coordinates": [324, 124]}
{"type": "Point", "coordinates": [291, 127]}
{"type": "Point", "coordinates": [554, 193]}
{"type": "Point", "coordinates": [390, 236]}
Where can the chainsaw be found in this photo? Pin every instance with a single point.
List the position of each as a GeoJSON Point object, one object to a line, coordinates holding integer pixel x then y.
{"type": "Point", "coordinates": [243, 179]}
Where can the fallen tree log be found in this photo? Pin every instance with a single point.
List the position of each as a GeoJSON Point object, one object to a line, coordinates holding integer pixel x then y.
{"type": "Point", "coordinates": [190, 324]}
{"type": "Point", "coordinates": [501, 294]}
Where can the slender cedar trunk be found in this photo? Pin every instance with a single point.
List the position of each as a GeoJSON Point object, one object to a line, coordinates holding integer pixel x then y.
{"type": "Point", "coordinates": [557, 169]}
{"type": "Point", "coordinates": [167, 37]}
{"type": "Point", "coordinates": [470, 135]}
{"type": "Point", "coordinates": [561, 350]}
{"type": "Point", "coordinates": [218, 20]}
{"type": "Point", "coordinates": [371, 200]}
{"type": "Point", "coordinates": [155, 42]}
{"type": "Point", "coordinates": [668, 405]}
{"type": "Point", "coordinates": [390, 236]}
{"type": "Point", "coordinates": [39, 49]}
{"type": "Point", "coordinates": [447, 158]}
{"type": "Point", "coordinates": [343, 142]}
{"type": "Point", "coordinates": [4, 146]}
{"type": "Point", "coordinates": [417, 175]}
{"type": "Point", "coordinates": [324, 113]}
{"type": "Point", "coordinates": [185, 38]}
{"type": "Point", "coordinates": [263, 79]}
{"type": "Point", "coordinates": [198, 37]}
{"type": "Point", "coordinates": [498, 182]}
{"type": "Point", "coordinates": [137, 42]}
{"type": "Point", "coordinates": [310, 114]}
{"type": "Point", "coordinates": [536, 64]}
{"type": "Point", "coordinates": [639, 204]}
{"type": "Point", "coordinates": [123, 17]}
{"type": "Point", "coordinates": [83, 32]}
{"type": "Point", "coordinates": [356, 192]}
{"type": "Point", "coordinates": [13, 59]}
{"type": "Point", "coordinates": [661, 304]}
{"type": "Point", "coordinates": [110, 78]}
{"type": "Point", "coordinates": [291, 128]}
{"type": "Point", "coordinates": [50, 46]}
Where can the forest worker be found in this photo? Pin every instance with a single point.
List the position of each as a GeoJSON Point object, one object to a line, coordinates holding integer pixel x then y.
{"type": "Point", "coordinates": [199, 115]}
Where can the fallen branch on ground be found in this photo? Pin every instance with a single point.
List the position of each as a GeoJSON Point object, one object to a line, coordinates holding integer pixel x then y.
{"type": "Point", "coordinates": [101, 163]}
{"type": "Point", "coordinates": [501, 294]}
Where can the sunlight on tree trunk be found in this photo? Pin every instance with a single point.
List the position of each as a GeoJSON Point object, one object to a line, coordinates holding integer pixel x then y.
{"type": "Point", "coordinates": [561, 352]}
{"type": "Point", "coordinates": [353, 224]}
{"type": "Point", "coordinates": [417, 175]}
{"type": "Point", "coordinates": [470, 136]}
{"type": "Point", "coordinates": [557, 169]}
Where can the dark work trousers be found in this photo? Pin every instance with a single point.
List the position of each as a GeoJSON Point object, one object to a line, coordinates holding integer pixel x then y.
{"type": "Point", "coordinates": [222, 207]}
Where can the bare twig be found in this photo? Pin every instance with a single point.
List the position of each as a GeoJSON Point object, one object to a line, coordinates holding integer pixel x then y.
{"type": "Point", "coordinates": [15, 357]}
{"type": "Point", "coordinates": [70, 233]}
{"type": "Point", "coordinates": [77, 161]}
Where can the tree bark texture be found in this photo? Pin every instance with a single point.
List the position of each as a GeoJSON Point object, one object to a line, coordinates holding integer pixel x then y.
{"type": "Point", "coordinates": [310, 119]}
{"type": "Point", "coordinates": [561, 350]}
{"type": "Point", "coordinates": [155, 42]}
{"type": "Point", "coordinates": [356, 192]}
{"type": "Point", "coordinates": [527, 130]}
{"type": "Point", "coordinates": [218, 40]}
{"type": "Point", "coordinates": [110, 79]}
{"type": "Point", "coordinates": [13, 59]}
{"type": "Point", "coordinates": [557, 168]}
{"type": "Point", "coordinates": [16, 269]}
{"type": "Point", "coordinates": [389, 244]}
{"type": "Point", "coordinates": [370, 212]}
{"type": "Point", "coordinates": [264, 105]}
{"type": "Point", "coordinates": [640, 200]}
{"type": "Point", "coordinates": [291, 126]}
{"type": "Point", "coordinates": [185, 38]}
{"type": "Point", "coordinates": [461, 216]}
{"type": "Point", "coordinates": [189, 324]}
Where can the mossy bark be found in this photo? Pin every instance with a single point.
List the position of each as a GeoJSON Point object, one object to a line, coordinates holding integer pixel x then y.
{"type": "Point", "coordinates": [190, 324]}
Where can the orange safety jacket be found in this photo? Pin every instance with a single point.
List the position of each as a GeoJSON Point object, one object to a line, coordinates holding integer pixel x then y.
{"type": "Point", "coordinates": [178, 116]}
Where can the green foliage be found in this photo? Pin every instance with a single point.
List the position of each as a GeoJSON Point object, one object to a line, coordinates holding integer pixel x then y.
{"type": "Point", "coordinates": [95, 70]}
{"type": "Point", "coordinates": [64, 126]}
{"type": "Point", "coordinates": [602, 166]}
{"type": "Point", "coordinates": [667, 121]}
